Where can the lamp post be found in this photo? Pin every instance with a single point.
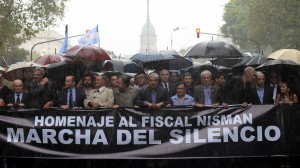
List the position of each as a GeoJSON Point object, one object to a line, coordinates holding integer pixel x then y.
{"type": "Point", "coordinates": [174, 30]}
{"type": "Point", "coordinates": [49, 42]}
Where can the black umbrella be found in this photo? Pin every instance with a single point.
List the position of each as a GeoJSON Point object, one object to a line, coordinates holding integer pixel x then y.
{"type": "Point", "coordinates": [121, 66]}
{"type": "Point", "coordinates": [152, 56]}
{"type": "Point", "coordinates": [285, 68]}
{"type": "Point", "coordinates": [213, 49]}
{"type": "Point", "coordinates": [171, 64]}
{"type": "Point", "coordinates": [226, 62]}
{"type": "Point", "coordinates": [253, 61]}
{"type": "Point", "coordinates": [278, 64]}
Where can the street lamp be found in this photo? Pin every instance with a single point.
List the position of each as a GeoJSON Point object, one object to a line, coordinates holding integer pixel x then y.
{"type": "Point", "coordinates": [175, 29]}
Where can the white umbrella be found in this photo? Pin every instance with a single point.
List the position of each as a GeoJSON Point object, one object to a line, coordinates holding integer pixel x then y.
{"type": "Point", "coordinates": [21, 70]}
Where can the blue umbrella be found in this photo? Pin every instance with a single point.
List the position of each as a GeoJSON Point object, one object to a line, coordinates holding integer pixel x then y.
{"type": "Point", "coordinates": [151, 56]}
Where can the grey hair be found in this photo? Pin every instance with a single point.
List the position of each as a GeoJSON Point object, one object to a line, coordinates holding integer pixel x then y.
{"type": "Point", "coordinates": [205, 72]}
{"type": "Point", "coordinates": [40, 70]}
{"type": "Point", "coordinates": [154, 75]}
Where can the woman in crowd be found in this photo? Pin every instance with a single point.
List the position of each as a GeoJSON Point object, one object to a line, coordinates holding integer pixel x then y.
{"type": "Point", "coordinates": [286, 96]}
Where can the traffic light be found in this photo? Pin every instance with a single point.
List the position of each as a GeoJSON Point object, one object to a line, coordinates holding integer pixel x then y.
{"type": "Point", "coordinates": [198, 32]}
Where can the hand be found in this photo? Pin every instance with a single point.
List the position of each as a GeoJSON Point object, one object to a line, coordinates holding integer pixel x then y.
{"type": "Point", "coordinates": [95, 105]}
{"type": "Point", "coordinates": [48, 105]}
{"type": "Point", "coordinates": [21, 105]}
{"type": "Point", "coordinates": [44, 81]}
{"type": "Point", "coordinates": [10, 105]}
{"type": "Point", "coordinates": [215, 105]}
{"type": "Point", "coordinates": [149, 104]}
{"type": "Point", "coordinates": [244, 105]}
{"type": "Point", "coordinates": [115, 106]}
{"type": "Point", "coordinates": [64, 107]}
{"type": "Point", "coordinates": [158, 105]}
{"type": "Point", "coordinates": [225, 105]}
{"type": "Point", "coordinates": [199, 105]}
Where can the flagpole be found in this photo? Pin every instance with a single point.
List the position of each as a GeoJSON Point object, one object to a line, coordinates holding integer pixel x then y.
{"type": "Point", "coordinates": [98, 36]}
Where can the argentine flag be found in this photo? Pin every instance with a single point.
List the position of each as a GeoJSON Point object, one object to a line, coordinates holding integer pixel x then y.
{"type": "Point", "coordinates": [91, 37]}
{"type": "Point", "coordinates": [64, 47]}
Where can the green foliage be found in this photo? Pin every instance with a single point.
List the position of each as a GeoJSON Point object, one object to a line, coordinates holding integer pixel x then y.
{"type": "Point", "coordinates": [273, 23]}
{"type": "Point", "coordinates": [21, 19]}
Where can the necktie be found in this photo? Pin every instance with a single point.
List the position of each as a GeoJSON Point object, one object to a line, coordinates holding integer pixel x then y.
{"type": "Point", "coordinates": [166, 86]}
{"type": "Point", "coordinates": [71, 99]}
{"type": "Point", "coordinates": [18, 99]}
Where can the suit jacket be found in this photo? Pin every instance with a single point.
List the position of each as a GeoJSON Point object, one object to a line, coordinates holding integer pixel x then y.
{"type": "Point", "coordinates": [233, 91]}
{"type": "Point", "coordinates": [11, 99]}
{"type": "Point", "coordinates": [63, 95]}
{"type": "Point", "coordinates": [145, 95]}
{"type": "Point", "coordinates": [41, 94]}
{"type": "Point", "coordinates": [172, 88]}
{"type": "Point", "coordinates": [105, 98]}
{"type": "Point", "coordinates": [199, 94]}
{"type": "Point", "coordinates": [267, 96]}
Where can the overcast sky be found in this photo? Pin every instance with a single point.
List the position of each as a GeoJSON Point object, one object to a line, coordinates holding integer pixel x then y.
{"type": "Point", "coordinates": [120, 21]}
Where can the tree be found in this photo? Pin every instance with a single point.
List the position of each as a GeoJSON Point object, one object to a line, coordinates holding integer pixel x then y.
{"type": "Point", "coordinates": [274, 23]}
{"type": "Point", "coordinates": [20, 20]}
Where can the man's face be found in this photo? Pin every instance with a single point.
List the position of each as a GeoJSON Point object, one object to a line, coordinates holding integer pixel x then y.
{"type": "Point", "coordinates": [18, 87]}
{"type": "Point", "coordinates": [37, 76]}
{"type": "Point", "coordinates": [141, 80]}
{"type": "Point", "coordinates": [260, 79]}
{"type": "Point", "coordinates": [114, 81]}
{"type": "Point", "coordinates": [121, 86]}
{"type": "Point", "coordinates": [87, 82]}
{"type": "Point", "coordinates": [174, 77]}
{"type": "Point", "coordinates": [153, 82]}
{"type": "Point", "coordinates": [188, 80]}
{"type": "Point", "coordinates": [206, 79]}
{"type": "Point", "coordinates": [219, 81]}
{"type": "Point", "coordinates": [69, 83]}
{"type": "Point", "coordinates": [132, 82]}
{"type": "Point", "coordinates": [180, 90]}
{"type": "Point", "coordinates": [274, 78]}
{"type": "Point", "coordinates": [99, 82]}
{"type": "Point", "coordinates": [250, 76]}
{"type": "Point", "coordinates": [164, 76]}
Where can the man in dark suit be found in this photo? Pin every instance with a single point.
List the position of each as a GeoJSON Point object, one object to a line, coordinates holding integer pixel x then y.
{"type": "Point", "coordinates": [71, 97]}
{"type": "Point", "coordinates": [166, 83]}
{"type": "Point", "coordinates": [274, 84]}
{"type": "Point", "coordinates": [261, 93]}
{"type": "Point", "coordinates": [153, 96]}
{"type": "Point", "coordinates": [206, 93]}
{"type": "Point", "coordinates": [42, 92]}
{"type": "Point", "coordinates": [236, 89]}
{"type": "Point", "coordinates": [189, 82]}
{"type": "Point", "coordinates": [18, 98]}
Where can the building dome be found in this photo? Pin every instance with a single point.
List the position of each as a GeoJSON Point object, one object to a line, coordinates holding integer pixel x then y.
{"type": "Point", "coordinates": [151, 29]}
{"type": "Point", "coordinates": [148, 38]}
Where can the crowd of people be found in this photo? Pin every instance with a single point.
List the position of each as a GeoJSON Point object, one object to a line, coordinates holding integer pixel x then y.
{"type": "Point", "coordinates": [156, 90]}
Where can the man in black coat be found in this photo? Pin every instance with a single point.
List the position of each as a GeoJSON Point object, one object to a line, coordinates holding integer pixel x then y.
{"type": "Point", "coordinates": [261, 93]}
{"type": "Point", "coordinates": [166, 83]}
{"type": "Point", "coordinates": [236, 90]}
{"type": "Point", "coordinates": [18, 98]}
{"type": "Point", "coordinates": [71, 97]}
{"type": "Point", "coordinates": [42, 92]}
{"type": "Point", "coordinates": [153, 96]}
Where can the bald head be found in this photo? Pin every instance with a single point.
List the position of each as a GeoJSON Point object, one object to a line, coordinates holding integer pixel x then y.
{"type": "Point", "coordinates": [18, 85]}
{"type": "Point", "coordinates": [249, 74]}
